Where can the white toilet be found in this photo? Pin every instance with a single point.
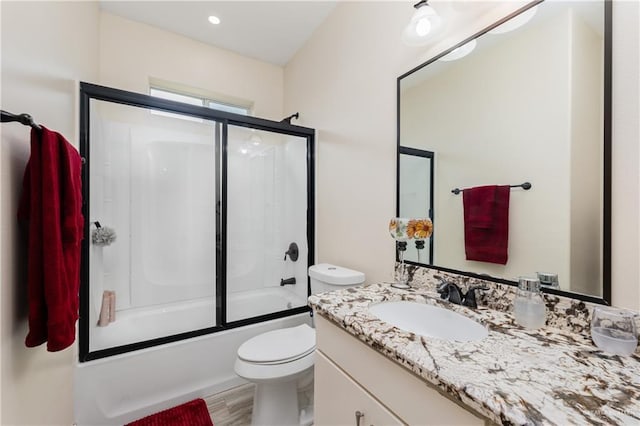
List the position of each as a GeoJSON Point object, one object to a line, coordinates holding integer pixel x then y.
{"type": "Point", "coordinates": [277, 360]}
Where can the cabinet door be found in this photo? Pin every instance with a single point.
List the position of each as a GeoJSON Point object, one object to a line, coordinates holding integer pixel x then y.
{"type": "Point", "coordinates": [404, 394]}
{"type": "Point", "coordinates": [338, 398]}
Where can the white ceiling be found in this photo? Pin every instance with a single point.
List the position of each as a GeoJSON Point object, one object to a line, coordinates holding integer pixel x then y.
{"type": "Point", "coordinates": [271, 31]}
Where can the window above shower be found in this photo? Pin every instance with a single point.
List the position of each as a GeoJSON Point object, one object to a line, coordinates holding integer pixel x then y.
{"type": "Point", "coordinates": [193, 96]}
{"type": "Point", "coordinates": [204, 213]}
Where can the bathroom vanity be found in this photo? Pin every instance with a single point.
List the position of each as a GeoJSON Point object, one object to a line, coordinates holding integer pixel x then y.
{"type": "Point", "coordinates": [554, 375]}
{"type": "Point", "coordinates": [351, 378]}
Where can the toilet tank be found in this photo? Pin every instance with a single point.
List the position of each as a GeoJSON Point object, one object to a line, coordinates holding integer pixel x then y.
{"type": "Point", "coordinates": [326, 277]}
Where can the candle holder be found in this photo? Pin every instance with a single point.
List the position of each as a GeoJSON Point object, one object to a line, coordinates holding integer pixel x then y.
{"type": "Point", "coordinates": [420, 229]}
{"type": "Point", "coordinates": [402, 230]}
{"type": "Point", "coordinates": [419, 247]}
{"type": "Point", "coordinates": [402, 278]}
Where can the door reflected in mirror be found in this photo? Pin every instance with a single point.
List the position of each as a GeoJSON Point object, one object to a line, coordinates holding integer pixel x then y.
{"type": "Point", "coordinates": [416, 197]}
{"type": "Point", "coordinates": [528, 105]}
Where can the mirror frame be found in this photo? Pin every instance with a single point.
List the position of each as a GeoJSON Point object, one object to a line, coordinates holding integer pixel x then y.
{"type": "Point", "coordinates": [607, 140]}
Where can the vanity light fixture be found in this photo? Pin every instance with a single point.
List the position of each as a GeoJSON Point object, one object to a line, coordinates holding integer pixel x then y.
{"type": "Point", "coordinates": [214, 19]}
{"type": "Point", "coordinates": [424, 21]}
{"type": "Point", "coordinates": [460, 52]}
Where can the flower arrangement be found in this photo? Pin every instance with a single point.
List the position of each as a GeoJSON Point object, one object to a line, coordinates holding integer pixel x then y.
{"type": "Point", "coordinates": [419, 229]}
{"type": "Point", "coordinates": [403, 229]}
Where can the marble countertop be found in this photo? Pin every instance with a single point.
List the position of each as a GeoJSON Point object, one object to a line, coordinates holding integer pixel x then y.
{"type": "Point", "coordinates": [553, 375]}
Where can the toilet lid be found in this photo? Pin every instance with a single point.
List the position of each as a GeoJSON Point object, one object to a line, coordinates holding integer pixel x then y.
{"type": "Point", "coordinates": [279, 345]}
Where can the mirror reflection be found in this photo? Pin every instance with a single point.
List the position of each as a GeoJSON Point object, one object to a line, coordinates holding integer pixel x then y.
{"type": "Point", "coordinates": [416, 196]}
{"type": "Point", "coordinates": [525, 105]}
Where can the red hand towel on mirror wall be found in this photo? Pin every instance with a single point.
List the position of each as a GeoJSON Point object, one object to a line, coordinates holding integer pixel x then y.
{"type": "Point", "coordinates": [486, 223]}
{"type": "Point", "coordinates": [51, 202]}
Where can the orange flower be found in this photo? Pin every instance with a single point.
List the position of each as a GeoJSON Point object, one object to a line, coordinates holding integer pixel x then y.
{"type": "Point", "coordinates": [411, 228]}
{"type": "Point", "coordinates": [419, 228]}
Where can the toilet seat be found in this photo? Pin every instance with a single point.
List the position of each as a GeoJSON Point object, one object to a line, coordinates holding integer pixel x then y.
{"type": "Point", "coordinates": [279, 346]}
{"type": "Point", "coordinates": [278, 355]}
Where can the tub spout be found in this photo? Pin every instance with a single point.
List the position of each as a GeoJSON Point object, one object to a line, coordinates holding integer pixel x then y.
{"type": "Point", "coordinates": [288, 281]}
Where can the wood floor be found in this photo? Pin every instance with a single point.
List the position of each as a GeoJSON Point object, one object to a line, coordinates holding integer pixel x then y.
{"type": "Point", "coordinates": [232, 407]}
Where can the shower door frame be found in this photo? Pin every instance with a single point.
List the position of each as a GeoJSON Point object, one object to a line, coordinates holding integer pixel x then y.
{"type": "Point", "coordinates": [89, 91]}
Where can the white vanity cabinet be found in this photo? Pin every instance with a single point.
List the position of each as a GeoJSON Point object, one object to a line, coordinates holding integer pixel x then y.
{"type": "Point", "coordinates": [351, 377]}
{"type": "Point", "coordinates": [341, 401]}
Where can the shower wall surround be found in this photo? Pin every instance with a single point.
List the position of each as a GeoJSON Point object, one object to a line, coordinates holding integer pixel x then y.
{"type": "Point", "coordinates": [204, 205]}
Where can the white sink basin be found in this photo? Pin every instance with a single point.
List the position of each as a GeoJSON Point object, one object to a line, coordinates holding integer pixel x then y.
{"type": "Point", "coordinates": [429, 321]}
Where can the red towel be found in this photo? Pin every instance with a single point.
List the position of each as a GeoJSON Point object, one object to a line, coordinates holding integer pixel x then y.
{"type": "Point", "coordinates": [51, 202]}
{"type": "Point", "coordinates": [486, 223]}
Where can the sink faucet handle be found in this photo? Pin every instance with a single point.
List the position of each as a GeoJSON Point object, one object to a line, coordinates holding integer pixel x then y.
{"type": "Point", "coordinates": [451, 292]}
{"type": "Point", "coordinates": [443, 289]}
{"type": "Point", "coordinates": [470, 297]}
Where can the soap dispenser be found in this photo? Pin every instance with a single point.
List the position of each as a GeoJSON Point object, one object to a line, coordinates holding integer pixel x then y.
{"type": "Point", "coordinates": [528, 307]}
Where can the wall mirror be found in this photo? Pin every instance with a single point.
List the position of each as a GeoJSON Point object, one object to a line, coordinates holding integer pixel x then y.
{"type": "Point", "coordinates": [527, 104]}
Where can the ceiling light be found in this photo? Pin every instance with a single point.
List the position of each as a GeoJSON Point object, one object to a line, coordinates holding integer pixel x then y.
{"type": "Point", "coordinates": [255, 140]}
{"type": "Point", "coordinates": [515, 22]}
{"type": "Point", "coordinates": [214, 20]}
{"type": "Point", "coordinates": [460, 52]}
{"type": "Point", "coordinates": [424, 21]}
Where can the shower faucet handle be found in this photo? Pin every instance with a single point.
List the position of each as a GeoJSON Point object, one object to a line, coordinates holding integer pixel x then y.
{"type": "Point", "coordinates": [293, 252]}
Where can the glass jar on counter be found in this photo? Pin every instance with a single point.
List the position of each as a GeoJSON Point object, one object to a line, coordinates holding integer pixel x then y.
{"type": "Point", "coordinates": [529, 308]}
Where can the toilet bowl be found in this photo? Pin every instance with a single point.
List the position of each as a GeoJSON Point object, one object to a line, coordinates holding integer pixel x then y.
{"type": "Point", "coordinates": [276, 361]}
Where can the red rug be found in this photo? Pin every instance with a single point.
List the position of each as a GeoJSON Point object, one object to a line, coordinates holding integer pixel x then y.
{"type": "Point", "coordinates": [192, 413]}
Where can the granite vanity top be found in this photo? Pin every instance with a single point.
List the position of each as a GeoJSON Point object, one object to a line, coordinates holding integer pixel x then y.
{"type": "Point", "coordinates": [553, 375]}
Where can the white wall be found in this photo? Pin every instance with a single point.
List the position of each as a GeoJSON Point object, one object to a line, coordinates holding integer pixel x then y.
{"type": "Point", "coordinates": [132, 53]}
{"type": "Point", "coordinates": [587, 158]}
{"type": "Point", "coordinates": [343, 83]}
{"type": "Point", "coordinates": [46, 46]}
{"type": "Point", "coordinates": [625, 209]}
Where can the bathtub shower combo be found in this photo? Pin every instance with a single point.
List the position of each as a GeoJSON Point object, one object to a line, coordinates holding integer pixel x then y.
{"type": "Point", "coordinates": [212, 214]}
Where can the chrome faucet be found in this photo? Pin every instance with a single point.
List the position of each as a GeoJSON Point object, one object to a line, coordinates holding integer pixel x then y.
{"type": "Point", "coordinates": [452, 293]}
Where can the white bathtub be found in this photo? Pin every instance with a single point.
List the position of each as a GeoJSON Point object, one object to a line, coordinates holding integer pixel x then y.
{"type": "Point", "coordinates": [122, 388]}
{"type": "Point", "coordinates": [251, 303]}
{"type": "Point", "coordinates": [136, 325]}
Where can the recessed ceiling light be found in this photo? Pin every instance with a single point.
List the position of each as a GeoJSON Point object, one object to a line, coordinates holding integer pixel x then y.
{"type": "Point", "coordinates": [214, 20]}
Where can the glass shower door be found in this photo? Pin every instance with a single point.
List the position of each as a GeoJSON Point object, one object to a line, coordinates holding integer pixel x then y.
{"type": "Point", "coordinates": [212, 214]}
{"type": "Point", "coordinates": [266, 211]}
{"type": "Point", "coordinates": [154, 182]}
